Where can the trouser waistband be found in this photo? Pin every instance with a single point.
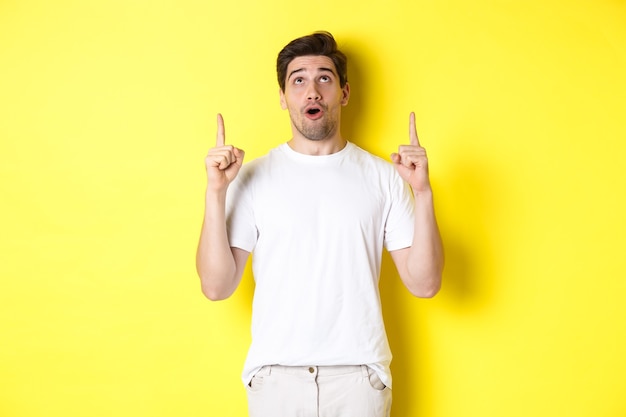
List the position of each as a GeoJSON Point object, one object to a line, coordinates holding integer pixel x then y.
{"type": "Point", "coordinates": [317, 370]}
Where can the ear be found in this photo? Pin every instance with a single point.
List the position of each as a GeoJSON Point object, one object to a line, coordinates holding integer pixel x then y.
{"type": "Point", "coordinates": [345, 94]}
{"type": "Point", "coordinates": [283, 101]}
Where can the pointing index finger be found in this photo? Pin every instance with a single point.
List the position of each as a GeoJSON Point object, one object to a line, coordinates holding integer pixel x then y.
{"type": "Point", "coordinates": [414, 140]}
{"type": "Point", "coordinates": [220, 139]}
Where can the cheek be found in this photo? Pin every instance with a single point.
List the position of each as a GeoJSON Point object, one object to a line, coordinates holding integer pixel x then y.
{"type": "Point", "coordinates": [335, 95]}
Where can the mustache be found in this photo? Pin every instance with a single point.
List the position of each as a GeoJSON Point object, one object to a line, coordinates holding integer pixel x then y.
{"type": "Point", "coordinates": [310, 107]}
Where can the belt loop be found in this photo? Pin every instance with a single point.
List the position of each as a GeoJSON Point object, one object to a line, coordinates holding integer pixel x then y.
{"type": "Point", "coordinates": [365, 370]}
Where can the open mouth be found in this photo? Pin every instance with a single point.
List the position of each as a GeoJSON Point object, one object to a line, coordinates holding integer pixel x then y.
{"type": "Point", "coordinates": [314, 113]}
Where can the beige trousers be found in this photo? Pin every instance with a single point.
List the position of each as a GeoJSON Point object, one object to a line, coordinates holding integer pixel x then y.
{"type": "Point", "coordinates": [318, 391]}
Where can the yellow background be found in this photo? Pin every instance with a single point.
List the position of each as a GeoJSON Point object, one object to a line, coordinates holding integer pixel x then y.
{"type": "Point", "coordinates": [107, 109]}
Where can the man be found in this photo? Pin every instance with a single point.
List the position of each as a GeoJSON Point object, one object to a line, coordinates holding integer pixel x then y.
{"type": "Point", "coordinates": [317, 211]}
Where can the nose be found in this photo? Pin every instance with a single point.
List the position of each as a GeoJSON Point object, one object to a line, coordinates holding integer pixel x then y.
{"type": "Point", "coordinates": [313, 94]}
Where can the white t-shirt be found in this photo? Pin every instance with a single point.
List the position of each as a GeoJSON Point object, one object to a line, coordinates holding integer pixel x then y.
{"type": "Point", "coordinates": [317, 226]}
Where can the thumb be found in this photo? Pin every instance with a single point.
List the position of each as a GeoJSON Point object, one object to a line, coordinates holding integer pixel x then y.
{"type": "Point", "coordinates": [239, 154]}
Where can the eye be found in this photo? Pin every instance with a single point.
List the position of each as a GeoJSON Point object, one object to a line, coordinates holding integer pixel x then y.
{"type": "Point", "coordinates": [298, 81]}
{"type": "Point", "coordinates": [324, 78]}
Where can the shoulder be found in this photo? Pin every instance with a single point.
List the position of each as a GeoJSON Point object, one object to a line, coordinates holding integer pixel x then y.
{"type": "Point", "coordinates": [259, 162]}
{"type": "Point", "coordinates": [257, 168]}
{"type": "Point", "coordinates": [370, 161]}
{"type": "Point", "coordinates": [379, 172]}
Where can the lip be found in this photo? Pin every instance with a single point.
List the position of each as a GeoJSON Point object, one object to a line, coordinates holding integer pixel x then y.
{"type": "Point", "coordinates": [313, 116]}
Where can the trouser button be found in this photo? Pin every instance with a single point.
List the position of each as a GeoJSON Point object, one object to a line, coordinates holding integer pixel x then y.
{"type": "Point", "coordinates": [311, 370]}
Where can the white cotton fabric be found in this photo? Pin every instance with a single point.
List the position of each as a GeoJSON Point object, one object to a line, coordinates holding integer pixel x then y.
{"type": "Point", "coordinates": [317, 226]}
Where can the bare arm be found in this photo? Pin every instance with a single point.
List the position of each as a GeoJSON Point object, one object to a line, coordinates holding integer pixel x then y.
{"type": "Point", "coordinates": [421, 265]}
{"type": "Point", "coordinates": [219, 266]}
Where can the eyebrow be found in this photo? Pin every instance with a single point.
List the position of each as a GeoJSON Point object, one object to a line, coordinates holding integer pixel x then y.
{"type": "Point", "coordinates": [322, 69]}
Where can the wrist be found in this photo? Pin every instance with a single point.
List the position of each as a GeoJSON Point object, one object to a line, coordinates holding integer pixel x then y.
{"type": "Point", "coordinates": [215, 193]}
{"type": "Point", "coordinates": [423, 193]}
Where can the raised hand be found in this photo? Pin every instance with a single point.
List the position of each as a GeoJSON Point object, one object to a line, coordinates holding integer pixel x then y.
{"type": "Point", "coordinates": [411, 161]}
{"type": "Point", "coordinates": [223, 161]}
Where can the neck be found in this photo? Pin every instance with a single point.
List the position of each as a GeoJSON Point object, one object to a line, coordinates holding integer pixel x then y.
{"type": "Point", "coordinates": [317, 147]}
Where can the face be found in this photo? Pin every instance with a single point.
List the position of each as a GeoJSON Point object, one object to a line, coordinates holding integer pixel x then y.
{"type": "Point", "coordinates": [314, 97]}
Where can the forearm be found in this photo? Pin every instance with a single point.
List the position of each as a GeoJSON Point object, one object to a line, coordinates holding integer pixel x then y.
{"type": "Point", "coordinates": [215, 262]}
{"type": "Point", "coordinates": [424, 263]}
{"type": "Point", "coordinates": [421, 265]}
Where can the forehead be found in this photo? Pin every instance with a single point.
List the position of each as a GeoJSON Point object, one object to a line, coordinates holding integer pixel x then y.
{"type": "Point", "coordinates": [311, 63]}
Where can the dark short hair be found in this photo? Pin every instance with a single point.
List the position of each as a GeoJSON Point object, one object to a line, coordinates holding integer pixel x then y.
{"type": "Point", "coordinates": [318, 43]}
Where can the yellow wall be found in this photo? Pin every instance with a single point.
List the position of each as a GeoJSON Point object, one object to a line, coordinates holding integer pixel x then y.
{"type": "Point", "coordinates": [108, 107]}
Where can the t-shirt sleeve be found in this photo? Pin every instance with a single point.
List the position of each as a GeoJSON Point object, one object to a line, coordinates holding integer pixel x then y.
{"type": "Point", "coordinates": [400, 219]}
{"type": "Point", "coordinates": [240, 224]}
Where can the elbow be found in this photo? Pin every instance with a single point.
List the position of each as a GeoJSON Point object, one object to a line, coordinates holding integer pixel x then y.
{"type": "Point", "coordinates": [215, 294]}
{"type": "Point", "coordinates": [426, 282]}
{"type": "Point", "coordinates": [427, 285]}
{"type": "Point", "coordinates": [426, 291]}
{"type": "Point", "coordinates": [215, 291]}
